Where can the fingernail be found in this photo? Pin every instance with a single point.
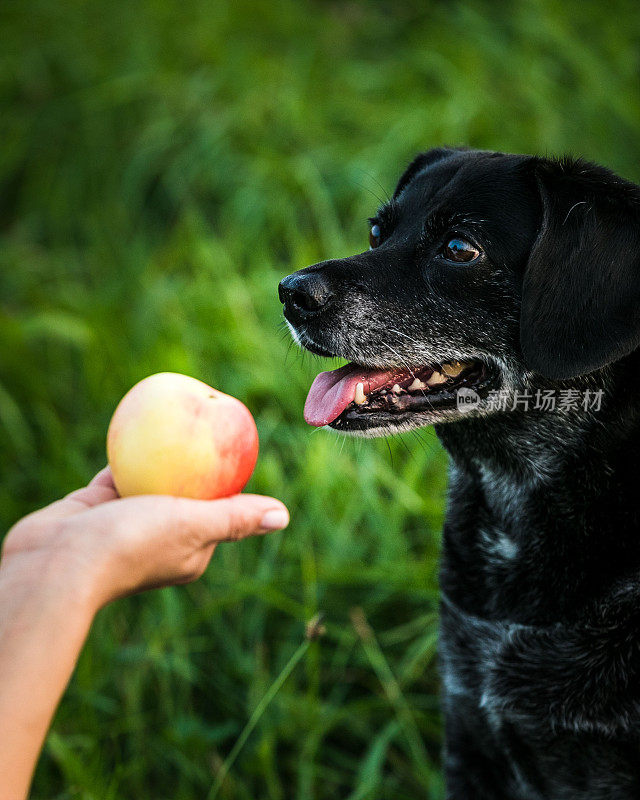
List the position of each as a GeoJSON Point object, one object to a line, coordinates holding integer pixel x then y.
{"type": "Point", "coordinates": [274, 520]}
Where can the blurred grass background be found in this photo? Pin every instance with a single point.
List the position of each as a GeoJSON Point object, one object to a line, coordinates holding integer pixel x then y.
{"type": "Point", "coordinates": [162, 166]}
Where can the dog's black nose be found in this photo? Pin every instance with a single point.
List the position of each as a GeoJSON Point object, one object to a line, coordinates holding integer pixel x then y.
{"type": "Point", "coordinates": [305, 292]}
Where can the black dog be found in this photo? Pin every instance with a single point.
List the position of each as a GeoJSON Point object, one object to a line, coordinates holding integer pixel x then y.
{"type": "Point", "coordinates": [500, 301]}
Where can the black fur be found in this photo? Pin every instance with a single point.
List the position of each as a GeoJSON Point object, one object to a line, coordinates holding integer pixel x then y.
{"type": "Point", "coordinates": [540, 631]}
{"type": "Point", "coordinates": [581, 292]}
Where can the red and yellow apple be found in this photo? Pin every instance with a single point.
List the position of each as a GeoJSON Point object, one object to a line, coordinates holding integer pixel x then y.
{"type": "Point", "coordinates": [172, 434]}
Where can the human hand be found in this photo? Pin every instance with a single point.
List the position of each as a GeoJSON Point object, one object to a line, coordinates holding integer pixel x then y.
{"type": "Point", "coordinates": [102, 547]}
{"type": "Point", "coordinates": [61, 564]}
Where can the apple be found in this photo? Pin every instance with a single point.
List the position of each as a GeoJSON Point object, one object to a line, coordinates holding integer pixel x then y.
{"type": "Point", "coordinates": [172, 434]}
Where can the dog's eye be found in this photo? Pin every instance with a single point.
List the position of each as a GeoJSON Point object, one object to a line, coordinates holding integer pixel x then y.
{"type": "Point", "coordinates": [460, 250]}
{"type": "Point", "coordinates": [374, 236]}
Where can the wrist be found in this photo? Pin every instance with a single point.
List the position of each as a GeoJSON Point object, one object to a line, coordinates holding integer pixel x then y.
{"type": "Point", "coordinates": [51, 579]}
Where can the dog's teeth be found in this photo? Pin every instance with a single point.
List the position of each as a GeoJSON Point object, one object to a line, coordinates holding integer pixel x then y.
{"type": "Point", "coordinates": [436, 378]}
{"type": "Point", "coordinates": [360, 397]}
{"type": "Point", "coordinates": [453, 368]}
{"type": "Point", "coordinates": [417, 384]}
{"type": "Point", "coordinates": [396, 388]}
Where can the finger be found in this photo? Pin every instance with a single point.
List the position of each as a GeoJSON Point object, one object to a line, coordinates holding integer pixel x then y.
{"type": "Point", "coordinates": [89, 496]}
{"type": "Point", "coordinates": [100, 489]}
{"type": "Point", "coordinates": [103, 478]}
{"type": "Point", "coordinates": [232, 518]}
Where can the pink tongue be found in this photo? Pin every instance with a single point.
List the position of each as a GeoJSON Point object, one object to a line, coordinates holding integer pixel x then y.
{"type": "Point", "coordinates": [331, 392]}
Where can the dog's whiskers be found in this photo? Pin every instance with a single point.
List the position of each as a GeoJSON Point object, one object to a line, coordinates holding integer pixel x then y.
{"type": "Point", "coordinates": [404, 363]}
{"type": "Point", "coordinates": [410, 338]}
{"type": "Point", "coordinates": [399, 357]}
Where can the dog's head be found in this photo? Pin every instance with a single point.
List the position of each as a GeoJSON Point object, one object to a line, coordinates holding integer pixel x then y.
{"type": "Point", "coordinates": [485, 272]}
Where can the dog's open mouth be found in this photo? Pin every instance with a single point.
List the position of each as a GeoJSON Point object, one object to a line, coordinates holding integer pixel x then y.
{"type": "Point", "coordinates": [356, 397]}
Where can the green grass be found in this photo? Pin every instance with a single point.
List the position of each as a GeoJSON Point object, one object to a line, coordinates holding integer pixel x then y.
{"type": "Point", "coordinates": [162, 165]}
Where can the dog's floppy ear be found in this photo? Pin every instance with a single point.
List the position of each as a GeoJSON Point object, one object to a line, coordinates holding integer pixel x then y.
{"type": "Point", "coordinates": [420, 162]}
{"type": "Point", "coordinates": [581, 287]}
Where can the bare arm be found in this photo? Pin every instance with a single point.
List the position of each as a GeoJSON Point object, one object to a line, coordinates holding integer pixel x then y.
{"type": "Point", "coordinates": [60, 565]}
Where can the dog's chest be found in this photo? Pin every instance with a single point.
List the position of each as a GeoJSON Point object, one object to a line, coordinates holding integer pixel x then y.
{"type": "Point", "coordinates": [491, 576]}
{"type": "Point", "coordinates": [483, 733]}
{"type": "Point", "coordinates": [488, 575]}
{"type": "Point", "coordinates": [468, 646]}
{"type": "Point", "coordinates": [494, 564]}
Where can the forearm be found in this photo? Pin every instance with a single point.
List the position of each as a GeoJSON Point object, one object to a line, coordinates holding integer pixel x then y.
{"type": "Point", "coordinates": [44, 621]}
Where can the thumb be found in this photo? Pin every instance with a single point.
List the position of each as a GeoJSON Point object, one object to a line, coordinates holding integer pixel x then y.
{"type": "Point", "coordinates": [233, 518]}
